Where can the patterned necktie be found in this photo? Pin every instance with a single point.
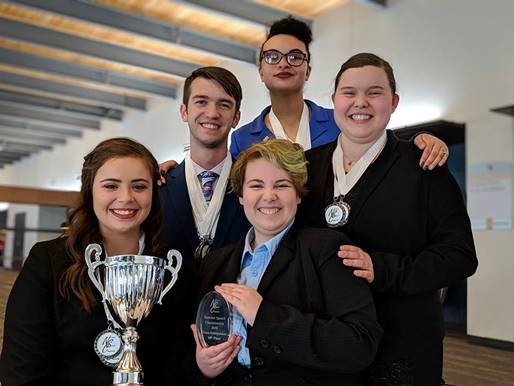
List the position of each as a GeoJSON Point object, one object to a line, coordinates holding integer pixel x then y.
{"type": "Point", "coordinates": [207, 179]}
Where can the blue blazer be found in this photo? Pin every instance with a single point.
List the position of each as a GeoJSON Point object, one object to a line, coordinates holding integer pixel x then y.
{"type": "Point", "coordinates": [180, 228]}
{"type": "Point", "coordinates": [322, 125]}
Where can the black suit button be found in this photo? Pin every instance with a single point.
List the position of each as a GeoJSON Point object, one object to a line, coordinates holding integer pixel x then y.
{"type": "Point", "coordinates": [258, 361]}
{"type": "Point", "coordinates": [264, 343]}
{"type": "Point", "coordinates": [277, 349]}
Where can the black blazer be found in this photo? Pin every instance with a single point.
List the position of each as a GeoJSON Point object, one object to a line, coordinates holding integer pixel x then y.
{"type": "Point", "coordinates": [414, 225]}
{"type": "Point", "coordinates": [180, 228]}
{"type": "Point", "coordinates": [49, 340]}
{"type": "Point", "coordinates": [316, 324]}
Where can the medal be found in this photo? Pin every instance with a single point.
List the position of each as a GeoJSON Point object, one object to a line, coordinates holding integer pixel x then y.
{"type": "Point", "coordinates": [203, 248]}
{"type": "Point", "coordinates": [337, 213]}
{"type": "Point", "coordinates": [108, 346]}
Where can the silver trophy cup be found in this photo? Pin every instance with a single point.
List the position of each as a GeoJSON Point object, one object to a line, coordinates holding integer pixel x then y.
{"type": "Point", "coordinates": [132, 285]}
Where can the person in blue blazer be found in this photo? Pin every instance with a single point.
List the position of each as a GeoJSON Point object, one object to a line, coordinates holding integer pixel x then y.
{"type": "Point", "coordinates": [322, 129]}
{"type": "Point", "coordinates": [284, 68]}
{"type": "Point", "coordinates": [200, 212]}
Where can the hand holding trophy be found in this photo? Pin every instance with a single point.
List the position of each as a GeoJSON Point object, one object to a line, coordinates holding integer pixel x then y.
{"type": "Point", "coordinates": [131, 284]}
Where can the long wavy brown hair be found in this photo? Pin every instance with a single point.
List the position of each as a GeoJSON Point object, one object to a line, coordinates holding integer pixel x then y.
{"type": "Point", "coordinates": [84, 228]}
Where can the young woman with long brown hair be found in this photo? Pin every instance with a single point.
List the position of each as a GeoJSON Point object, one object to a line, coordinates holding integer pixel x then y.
{"type": "Point", "coordinates": [54, 313]}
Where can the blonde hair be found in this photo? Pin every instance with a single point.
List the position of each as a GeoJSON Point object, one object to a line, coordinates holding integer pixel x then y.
{"type": "Point", "coordinates": [287, 155]}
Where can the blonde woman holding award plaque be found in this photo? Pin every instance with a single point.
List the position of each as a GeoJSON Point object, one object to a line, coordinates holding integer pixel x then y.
{"type": "Point", "coordinates": [299, 316]}
{"type": "Point", "coordinates": [57, 330]}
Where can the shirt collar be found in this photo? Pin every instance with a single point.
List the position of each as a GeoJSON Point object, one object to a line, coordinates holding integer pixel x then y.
{"type": "Point", "coordinates": [217, 169]}
{"type": "Point", "coordinates": [271, 245]}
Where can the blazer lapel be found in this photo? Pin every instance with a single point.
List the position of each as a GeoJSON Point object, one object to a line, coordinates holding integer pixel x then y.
{"type": "Point", "coordinates": [377, 172]}
{"type": "Point", "coordinates": [181, 203]}
{"type": "Point", "coordinates": [324, 175]}
{"type": "Point", "coordinates": [222, 266]}
{"type": "Point", "coordinates": [228, 212]}
{"type": "Point", "coordinates": [260, 127]}
{"type": "Point", "coordinates": [280, 260]}
{"type": "Point", "coordinates": [320, 118]}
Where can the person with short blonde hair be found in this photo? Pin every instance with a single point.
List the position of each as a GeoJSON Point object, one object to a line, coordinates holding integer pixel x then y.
{"type": "Point", "coordinates": [287, 155]}
{"type": "Point", "coordinates": [300, 316]}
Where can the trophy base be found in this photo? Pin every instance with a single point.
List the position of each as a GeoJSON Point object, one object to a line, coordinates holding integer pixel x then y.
{"type": "Point", "coordinates": [123, 378]}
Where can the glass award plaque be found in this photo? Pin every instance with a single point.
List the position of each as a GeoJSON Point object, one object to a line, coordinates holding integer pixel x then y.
{"type": "Point", "coordinates": [213, 319]}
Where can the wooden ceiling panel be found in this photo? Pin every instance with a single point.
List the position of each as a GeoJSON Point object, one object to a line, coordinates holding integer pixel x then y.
{"type": "Point", "coordinates": [104, 34]}
{"type": "Point", "coordinates": [194, 18]}
{"type": "Point", "coordinates": [309, 9]}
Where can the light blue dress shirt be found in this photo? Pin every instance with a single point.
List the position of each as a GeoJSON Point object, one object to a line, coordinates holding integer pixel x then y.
{"type": "Point", "coordinates": [253, 265]}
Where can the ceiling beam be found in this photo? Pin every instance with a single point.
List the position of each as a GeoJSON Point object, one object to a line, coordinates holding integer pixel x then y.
{"type": "Point", "coordinates": [7, 161]}
{"type": "Point", "coordinates": [10, 156]}
{"type": "Point", "coordinates": [48, 37]}
{"type": "Point", "coordinates": [109, 98]}
{"type": "Point", "coordinates": [58, 105]}
{"type": "Point", "coordinates": [41, 143]}
{"type": "Point", "coordinates": [33, 112]}
{"type": "Point", "coordinates": [109, 17]}
{"type": "Point", "coordinates": [21, 59]}
{"type": "Point", "coordinates": [21, 124]}
{"type": "Point", "coordinates": [16, 146]}
{"type": "Point", "coordinates": [31, 135]}
{"type": "Point", "coordinates": [15, 153]}
{"type": "Point", "coordinates": [380, 3]}
{"type": "Point", "coordinates": [244, 9]}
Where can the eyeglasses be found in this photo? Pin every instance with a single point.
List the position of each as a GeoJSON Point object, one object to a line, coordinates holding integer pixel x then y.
{"type": "Point", "coordinates": [294, 58]}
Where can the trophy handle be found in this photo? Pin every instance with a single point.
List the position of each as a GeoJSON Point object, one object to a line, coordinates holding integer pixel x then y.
{"type": "Point", "coordinates": [92, 266]}
{"type": "Point", "coordinates": [173, 264]}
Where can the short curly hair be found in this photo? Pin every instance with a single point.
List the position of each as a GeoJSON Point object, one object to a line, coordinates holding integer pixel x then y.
{"type": "Point", "coordinates": [287, 155]}
{"type": "Point", "coordinates": [293, 27]}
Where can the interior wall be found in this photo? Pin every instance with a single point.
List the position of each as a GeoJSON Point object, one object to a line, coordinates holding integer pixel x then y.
{"type": "Point", "coordinates": [453, 60]}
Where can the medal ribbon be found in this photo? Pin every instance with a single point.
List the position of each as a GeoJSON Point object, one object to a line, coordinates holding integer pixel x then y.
{"type": "Point", "coordinates": [344, 182]}
{"type": "Point", "coordinates": [205, 213]}
{"type": "Point", "coordinates": [303, 136]}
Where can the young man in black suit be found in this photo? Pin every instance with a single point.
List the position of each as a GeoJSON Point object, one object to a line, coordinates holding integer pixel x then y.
{"type": "Point", "coordinates": [200, 212]}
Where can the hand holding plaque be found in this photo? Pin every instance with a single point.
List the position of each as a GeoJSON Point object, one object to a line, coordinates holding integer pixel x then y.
{"type": "Point", "coordinates": [213, 319]}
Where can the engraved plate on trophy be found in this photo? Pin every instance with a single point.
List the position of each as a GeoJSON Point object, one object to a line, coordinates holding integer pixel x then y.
{"type": "Point", "coordinates": [213, 319]}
